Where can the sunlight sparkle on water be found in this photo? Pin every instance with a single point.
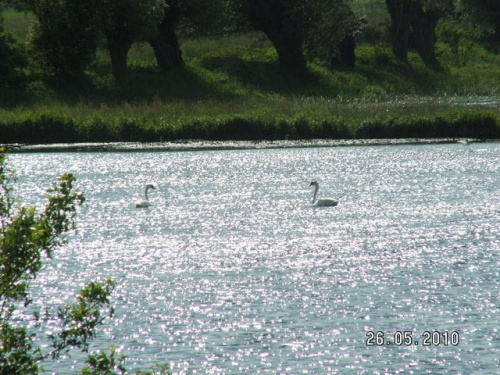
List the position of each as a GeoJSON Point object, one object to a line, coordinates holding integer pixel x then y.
{"type": "Point", "coordinates": [232, 271]}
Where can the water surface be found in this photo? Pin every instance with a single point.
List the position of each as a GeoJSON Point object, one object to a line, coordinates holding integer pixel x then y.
{"type": "Point", "coordinates": [231, 271]}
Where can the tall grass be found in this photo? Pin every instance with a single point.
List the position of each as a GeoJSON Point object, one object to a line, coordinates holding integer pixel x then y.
{"type": "Point", "coordinates": [272, 119]}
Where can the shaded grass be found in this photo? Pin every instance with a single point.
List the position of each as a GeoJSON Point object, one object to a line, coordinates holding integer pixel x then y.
{"type": "Point", "coordinates": [18, 23]}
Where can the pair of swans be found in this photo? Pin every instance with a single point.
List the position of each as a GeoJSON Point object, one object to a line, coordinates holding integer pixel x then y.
{"type": "Point", "coordinates": [323, 202]}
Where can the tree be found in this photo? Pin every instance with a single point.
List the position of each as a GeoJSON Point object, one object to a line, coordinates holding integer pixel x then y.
{"type": "Point", "coordinates": [280, 21]}
{"type": "Point", "coordinates": [12, 60]}
{"type": "Point", "coordinates": [416, 20]}
{"type": "Point", "coordinates": [124, 22]}
{"type": "Point", "coordinates": [485, 13]}
{"type": "Point", "coordinates": [424, 21]}
{"type": "Point", "coordinates": [330, 28]}
{"type": "Point", "coordinates": [323, 29]}
{"type": "Point", "coordinates": [165, 43]}
{"type": "Point", "coordinates": [400, 12]}
{"type": "Point", "coordinates": [188, 18]}
{"type": "Point", "coordinates": [64, 38]}
{"type": "Point", "coordinates": [66, 35]}
{"type": "Point", "coordinates": [26, 238]}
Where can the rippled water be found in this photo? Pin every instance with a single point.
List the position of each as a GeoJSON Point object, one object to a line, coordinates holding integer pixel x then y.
{"type": "Point", "coordinates": [231, 271]}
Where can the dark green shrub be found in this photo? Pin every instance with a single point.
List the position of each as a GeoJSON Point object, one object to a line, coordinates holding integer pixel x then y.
{"type": "Point", "coordinates": [64, 38]}
{"type": "Point", "coordinates": [12, 62]}
{"type": "Point", "coordinates": [97, 131]}
{"type": "Point", "coordinates": [51, 129]}
{"type": "Point", "coordinates": [460, 38]}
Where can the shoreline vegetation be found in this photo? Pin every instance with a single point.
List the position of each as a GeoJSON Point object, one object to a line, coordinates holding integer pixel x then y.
{"type": "Point", "coordinates": [251, 120]}
{"type": "Point", "coordinates": [232, 89]}
{"type": "Point", "coordinates": [47, 128]}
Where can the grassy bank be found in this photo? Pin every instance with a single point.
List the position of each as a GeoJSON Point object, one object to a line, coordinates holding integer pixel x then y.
{"type": "Point", "coordinates": [232, 88]}
{"type": "Point", "coordinates": [248, 120]}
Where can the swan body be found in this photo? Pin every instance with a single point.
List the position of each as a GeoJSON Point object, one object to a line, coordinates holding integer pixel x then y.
{"type": "Point", "coordinates": [145, 202]}
{"type": "Point", "coordinates": [323, 202]}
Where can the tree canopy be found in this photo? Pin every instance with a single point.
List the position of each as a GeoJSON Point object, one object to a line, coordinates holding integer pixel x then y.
{"type": "Point", "coordinates": [485, 13]}
{"type": "Point", "coordinates": [67, 33]}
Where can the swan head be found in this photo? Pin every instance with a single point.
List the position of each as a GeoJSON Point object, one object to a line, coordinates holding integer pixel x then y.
{"type": "Point", "coordinates": [150, 186]}
{"type": "Point", "coordinates": [314, 183]}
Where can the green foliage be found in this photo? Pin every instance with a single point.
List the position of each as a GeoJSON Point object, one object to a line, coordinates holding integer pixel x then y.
{"type": "Point", "coordinates": [130, 20]}
{"type": "Point", "coordinates": [79, 320]}
{"type": "Point", "coordinates": [275, 119]}
{"type": "Point", "coordinates": [126, 22]}
{"type": "Point", "coordinates": [326, 24]}
{"type": "Point", "coordinates": [25, 235]}
{"type": "Point", "coordinates": [280, 21]}
{"type": "Point", "coordinates": [17, 23]}
{"type": "Point", "coordinates": [460, 38]}
{"type": "Point", "coordinates": [12, 62]}
{"type": "Point", "coordinates": [64, 38]}
{"type": "Point", "coordinates": [200, 17]}
{"type": "Point", "coordinates": [163, 369]}
{"type": "Point", "coordinates": [102, 363]}
{"type": "Point", "coordinates": [325, 29]}
{"type": "Point", "coordinates": [374, 15]}
{"type": "Point", "coordinates": [18, 354]}
{"type": "Point", "coordinates": [484, 14]}
{"type": "Point", "coordinates": [43, 128]}
{"type": "Point", "coordinates": [458, 125]}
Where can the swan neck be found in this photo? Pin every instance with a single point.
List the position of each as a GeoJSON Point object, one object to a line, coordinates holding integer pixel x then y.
{"type": "Point", "coordinates": [146, 194]}
{"type": "Point", "coordinates": [316, 188]}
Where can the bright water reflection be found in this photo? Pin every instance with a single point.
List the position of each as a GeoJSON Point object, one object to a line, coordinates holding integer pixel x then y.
{"type": "Point", "coordinates": [232, 271]}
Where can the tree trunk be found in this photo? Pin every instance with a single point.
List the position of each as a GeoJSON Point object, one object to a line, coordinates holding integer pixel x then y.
{"type": "Point", "coordinates": [401, 13]}
{"type": "Point", "coordinates": [166, 45]}
{"type": "Point", "coordinates": [118, 53]}
{"type": "Point", "coordinates": [345, 58]}
{"type": "Point", "coordinates": [276, 19]}
{"type": "Point", "coordinates": [289, 48]}
{"type": "Point", "coordinates": [424, 33]}
{"type": "Point", "coordinates": [496, 40]}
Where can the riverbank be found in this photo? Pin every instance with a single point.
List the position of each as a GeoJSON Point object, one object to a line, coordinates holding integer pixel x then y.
{"type": "Point", "coordinates": [200, 145]}
{"type": "Point", "coordinates": [256, 120]}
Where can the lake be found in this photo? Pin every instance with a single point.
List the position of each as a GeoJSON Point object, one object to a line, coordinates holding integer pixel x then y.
{"type": "Point", "coordinates": [232, 271]}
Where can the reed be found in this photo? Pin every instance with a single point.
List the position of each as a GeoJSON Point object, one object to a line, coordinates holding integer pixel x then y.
{"type": "Point", "coordinates": [270, 120]}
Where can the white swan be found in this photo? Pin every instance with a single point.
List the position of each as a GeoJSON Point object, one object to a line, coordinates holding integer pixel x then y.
{"type": "Point", "coordinates": [323, 202]}
{"type": "Point", "coordinates": [144, 203]}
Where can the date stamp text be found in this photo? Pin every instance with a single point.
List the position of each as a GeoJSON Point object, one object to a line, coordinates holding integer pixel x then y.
{"type": "Point", "coordinates": [409, 338]}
